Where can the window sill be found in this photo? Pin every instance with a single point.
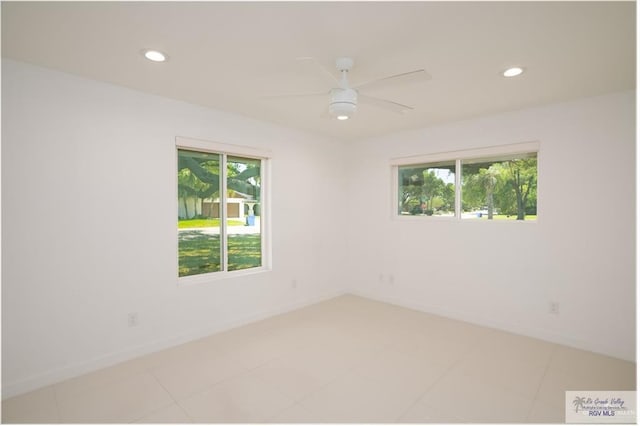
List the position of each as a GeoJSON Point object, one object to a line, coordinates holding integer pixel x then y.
{"type": "Point", "coordinates": [218, 276]}
{"type": "Point", "coordinates": [413, 218]}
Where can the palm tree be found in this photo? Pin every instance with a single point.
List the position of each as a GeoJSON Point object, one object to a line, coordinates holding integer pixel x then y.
{"type": "Point", "coordinates": [479, 186]}
{"type": "Point", "coordinates": [579, 402]}
{"type": "Point", "coordinates": [489, 179]}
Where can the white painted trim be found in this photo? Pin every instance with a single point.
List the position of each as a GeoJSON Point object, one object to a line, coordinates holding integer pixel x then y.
{"type": "Point", "coordinates": [219, 275]}
{"type": "Point", "coordinates": [458, 190]}
{"type": "Point", "coordinates": [265, 212]}
{"type": "Point", "coordinates": [483, 321]}
{"type": "Point", "coordinates": [467, 154]}
{"type": "Point", "coordinates": [539, 194]}
{"type": "Point", "coordinates": [224, 150]}
{"type": "Point", "coordinates": [223, 214]}
{"type": "Point", "coordinates": [176, 199]}
{"type": "Point", "coordinates": [57, 375]}
{"type": "Point", "coordinates": [458, 157]}
{"type": "Point", "coordinates": [395, 196]}
{"type": "Point", "coordinates": [219, 147]}
{"type": "Point", "coordinates": [412, 217]}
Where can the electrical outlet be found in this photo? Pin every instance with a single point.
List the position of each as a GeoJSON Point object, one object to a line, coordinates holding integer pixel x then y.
{"type": "Point", "coordinates": [132, 319]}
{"type": "Point", "coordinates": [554, 308]}
{"type": "Point", "coordinates": [294, 283]}
{"type": "Point", "coordinates": [391, 279]}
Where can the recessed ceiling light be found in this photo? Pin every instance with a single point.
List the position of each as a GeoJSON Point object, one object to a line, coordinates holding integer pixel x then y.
{"type": "Point", "coordinates": [154, 55]}
{"type": "Point", "coordinates": [512, 72]}
{"type": "Point", "coordinates": [342, 117]}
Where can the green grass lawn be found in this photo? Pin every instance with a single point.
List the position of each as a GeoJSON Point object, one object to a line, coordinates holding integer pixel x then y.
{"type": "Point", "coordinates": [206, 223]}
{"type": "Point", "coordinates": [199, 253]}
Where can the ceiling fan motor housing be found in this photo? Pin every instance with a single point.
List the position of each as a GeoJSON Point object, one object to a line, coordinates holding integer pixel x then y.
{"type": "Point", "coordinates": [343, 102]}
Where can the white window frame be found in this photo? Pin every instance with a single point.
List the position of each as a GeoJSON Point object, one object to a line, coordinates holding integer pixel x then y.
{"type": "Point", "coordinates": [226, 150]}
{"type": "Point", "coordinates": [459, 157]}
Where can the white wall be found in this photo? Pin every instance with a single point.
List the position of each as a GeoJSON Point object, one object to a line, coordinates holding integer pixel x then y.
{"type": "Point", "coordinates": [89, 225]}
{"type": "Point", "coordinates": [581, 253]}
{"type": "Point", "coordinates": [69, 280]}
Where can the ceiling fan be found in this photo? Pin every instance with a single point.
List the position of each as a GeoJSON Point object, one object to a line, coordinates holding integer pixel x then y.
{"type": "Point", "coordinates": [344, 98]}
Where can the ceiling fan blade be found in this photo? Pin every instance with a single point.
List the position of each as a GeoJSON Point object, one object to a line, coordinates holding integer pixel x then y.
{"type": "Point", "coordinates": [384, 103]}
{"type": "Point", "coordinates": [295, 95]}
{"type": "Point", "coordinates": [404, 77]}
{"type": "Point", "coordinates": [318, 65]}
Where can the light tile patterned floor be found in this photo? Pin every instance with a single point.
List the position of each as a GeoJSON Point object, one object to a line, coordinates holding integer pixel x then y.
{"type": "Point", "coordinates": [345, 360]}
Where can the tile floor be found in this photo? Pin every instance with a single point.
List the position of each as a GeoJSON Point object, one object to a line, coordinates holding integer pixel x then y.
{"type": "Point", "coordinates": [345, 360]}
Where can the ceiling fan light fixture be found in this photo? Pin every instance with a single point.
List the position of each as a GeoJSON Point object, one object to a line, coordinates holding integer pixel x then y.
{"type": "Point", "coordinates": [343, 103]}
{"type": "Point", "coordinates": [513, 72]}
{"type": "Point", "coordinates": [154, 55]}
{"type": "Point", "coordinates": [342, 109]}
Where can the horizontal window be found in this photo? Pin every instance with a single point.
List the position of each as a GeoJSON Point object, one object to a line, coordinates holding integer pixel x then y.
{"type": "Point", "coordinates": [472, 185]}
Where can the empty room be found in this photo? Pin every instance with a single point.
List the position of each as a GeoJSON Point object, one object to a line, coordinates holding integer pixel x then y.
{"type": "Point", "coordinates": [318, 212]}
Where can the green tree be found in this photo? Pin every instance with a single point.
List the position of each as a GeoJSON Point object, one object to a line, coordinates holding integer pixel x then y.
{"type": "Point", "coordinates": [433, 187]}
{"type": "Point", "coordinates": [474, 192]}
{"type": "Point", "coordinates": [522, 176]}
{"type": "Point", "coordinates": [247, 181]}
{"type": "Point", "coordinates": [510, 186]}
{"type": "Point", "coordinates": [186, 188]}
{"type": "Point", "coordinates": [449, 196]}
{"type": "Point", "coordinates": [189, 185]}
{"type": "Point", "coordinates": [410, 193]}
{"type": "Point", "coordinates": [489, 180]}
{"type": "Point", "coordinates": [199, 177]}
{"type": "Point", "coordinates": [421, 190]}
{"type": "Point", "coordinates": [505, 197]}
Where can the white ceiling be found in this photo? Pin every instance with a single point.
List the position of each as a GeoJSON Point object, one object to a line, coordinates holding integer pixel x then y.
{"type": "Point", "coordinates": [226, 55]}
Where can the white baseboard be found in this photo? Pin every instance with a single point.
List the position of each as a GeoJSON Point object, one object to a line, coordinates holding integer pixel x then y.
{"type": "Point", "coordinates": [536, 333]}
{"type": "Point", "coordinates": [57, 375]}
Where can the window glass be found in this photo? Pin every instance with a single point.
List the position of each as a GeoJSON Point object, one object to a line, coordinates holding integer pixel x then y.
{"type": "Point", "coordinates": [500, 188]}
{"type": "Point", "coordinates": [244, 243]}
{"type": "Point", "coordinates": [199, 244]}
{"type": "Point", "coordinates": [496, 183]}
{"type": "Point", "coordinates": [427, 189]}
